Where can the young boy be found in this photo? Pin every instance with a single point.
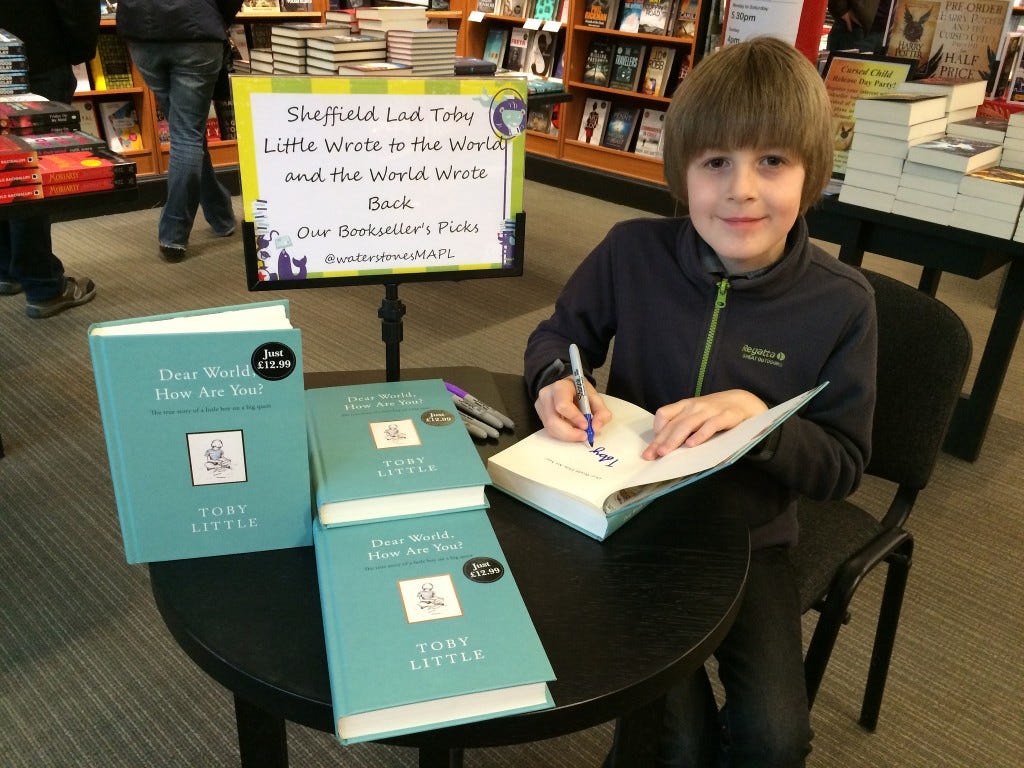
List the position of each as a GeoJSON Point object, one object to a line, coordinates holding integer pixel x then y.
{"type": "Point", "coordinates": [717, 316]}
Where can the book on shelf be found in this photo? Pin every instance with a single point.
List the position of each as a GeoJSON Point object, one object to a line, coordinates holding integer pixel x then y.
{"type": "Point", "coordinates": [1009, 62]}
{"type": "Point", "coordinates": [81, 71]}
{"type": "Point", "coordinates": [330, 61]}
{"type": "Point", "coordinates": [593, 121]}
{"type": "Point", "coordinates": [37, 117]}
{"type": "Point", "coordinates": [485, 6]}
{"type": "Point", "coordinates": [991, 129]}
{"type": "Point", "coordinates": [471, 65]}
{"type": "Point", "coordinates": [260, 6]}
{"type": "Point", "coordinates": [655, 17]}
{"type": "Point", "coordinates": [121, 125]}
{"type": "Point", "coordinates": [111, 67]}
{"type": "Point", "coordinates": [391, 449]}
{"type": "Point", "coordinates": [650, 132]}
{"type": "Point", "coordinates": [966, 40]}
{"type": "Point", "coordinates": [621, 127]}
{"type": "Point", "coordinates": [657, 70]}
{"type": "Point", "coordinates": [956, 153]}
{"type": "Point", "coordinates": [900, 107]}
{"type": "Point", "coordinates": [518, 46]}
{"type": "Point", "coordinates": [629, 15]}
{"type": "Point", "coordinates": [64, 141]}
{"type": "Point", "coordinates": [627, 60]}
{"type": "Point", "coordinates": [392, 669]}
{"type": "Point", "coordinates": [960, 94]}
{"type": "Point", "coordinates": [212, 124]}
{"type": "Point", "coordinates": [540, 56]}
{"type": "Point", "coordinates": [86, 165]}
{"type": "Point", "coordinates": [871, 180]}
{"type": "Point", "coordinates": [684, 23]}
{"type": "Point", "coordinates": [513, 8]}
{"type": "Point", "coordinates": [597, 67]}
{"type": "Point", "coordinates": [16, 64]}
{"type": "Point", "coordinates": [911, 31]}
{"type": "Point", "coordinates": [596, 14]}
{"type": "Point", "coordinates": [496, 45]}
{"type": "Point", "coordinates": [88, 120]}
{"type": "Point", "coordinates": [544, 10]}
{"type": "Point", "coordinates": [879, 145]}
{"type": "Point", "coordinates": [596, 490]}
{"type": "Point", "coordinates": [374, 69]}
{"type": "Point", "coordinates": [203, 419]}
{"type": "Point", "coordinates": [538, 118]}
{"type": "Point", "coordinates": [225, 110]}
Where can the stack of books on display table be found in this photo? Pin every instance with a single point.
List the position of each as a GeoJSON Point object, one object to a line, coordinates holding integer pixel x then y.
{"type": "Point", "coordinates": [430, 52]}
{"type": "Point", "coordinates": [423, 621]}
{"type": "Point", "coordinates": [966, 176]}
{"type": "Point", "coordinates": [325, 54]}
{"type": "Point", "coordinates": [13, 65]}
{"type": "Point", "coordinates": [288, 43]}
{"type": "Point", "coordinates": [378, 21]}
{"type": "Point", "coordinates": [43, 155]}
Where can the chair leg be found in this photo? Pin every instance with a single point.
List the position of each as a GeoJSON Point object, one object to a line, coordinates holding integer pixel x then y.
{"type": "Point", "coordinates": [822, 642]}
{"type": "Point", "coordinates": [885, 632]}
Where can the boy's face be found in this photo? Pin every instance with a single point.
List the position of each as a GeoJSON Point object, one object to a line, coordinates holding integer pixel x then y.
{"type": "Point", "coordinates": [743, 202]}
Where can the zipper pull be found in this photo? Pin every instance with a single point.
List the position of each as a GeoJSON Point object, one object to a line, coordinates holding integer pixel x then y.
{"type": "Point", "coordinates": [723, 287]}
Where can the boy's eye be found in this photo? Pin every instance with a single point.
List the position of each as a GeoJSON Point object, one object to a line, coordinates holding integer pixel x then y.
{"type": "Point", "coordinates": [774, 160]}
{"type": "Point", "coordinates": [715, 162]}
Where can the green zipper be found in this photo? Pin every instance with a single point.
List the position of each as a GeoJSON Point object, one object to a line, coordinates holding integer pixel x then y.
{"type": "Point", "coordinates": [723, 287]}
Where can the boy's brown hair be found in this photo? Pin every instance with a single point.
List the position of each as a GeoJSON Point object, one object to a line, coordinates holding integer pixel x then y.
{"type": "Point", "coordinates": [761, 93]}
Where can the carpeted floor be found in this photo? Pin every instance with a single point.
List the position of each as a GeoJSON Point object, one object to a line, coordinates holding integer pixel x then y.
{"type": "Point", "coordinates": [89, 676]}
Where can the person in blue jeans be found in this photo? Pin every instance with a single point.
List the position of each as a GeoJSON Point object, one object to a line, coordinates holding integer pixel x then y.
{"type": "Point", "coordinates": [716, 315]}
{"type": "Point", "coordinates": [179, 46]}
{"type": "Point", "coordinates": [56, 34]}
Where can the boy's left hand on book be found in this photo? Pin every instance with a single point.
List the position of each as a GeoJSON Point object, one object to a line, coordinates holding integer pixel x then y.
{"type": "Point", "coordinates": [694, 420]}
{"type": "Point", "coordinates": [562, 418]}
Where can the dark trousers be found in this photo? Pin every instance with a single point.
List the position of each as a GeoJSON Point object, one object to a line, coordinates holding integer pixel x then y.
{"type": "Point", "coordinates": [26, 252]}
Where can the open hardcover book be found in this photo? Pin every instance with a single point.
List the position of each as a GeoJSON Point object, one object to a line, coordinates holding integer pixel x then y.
{"type": "Point", "coordinates": [596, 490]}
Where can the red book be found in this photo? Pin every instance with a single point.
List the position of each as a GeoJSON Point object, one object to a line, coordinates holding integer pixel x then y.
{"type": "Point", "coordinates": [21, 192]}
{"type": "Point", "coordinates": [16, 153]}
{"type": "Point", "coordinates": [64, 167]}
{"type": "Point", "coordinates": [15, 176]}
{"type": "Point", "coordinates": [81, 187]}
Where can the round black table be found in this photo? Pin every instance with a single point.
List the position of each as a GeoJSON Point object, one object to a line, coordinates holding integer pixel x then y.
{"type": "Point", "coordinates": [621, 620]}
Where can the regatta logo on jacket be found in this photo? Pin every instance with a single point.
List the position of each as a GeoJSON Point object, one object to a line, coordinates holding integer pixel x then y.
{"type": "Point", "coordinates": [762, 355]}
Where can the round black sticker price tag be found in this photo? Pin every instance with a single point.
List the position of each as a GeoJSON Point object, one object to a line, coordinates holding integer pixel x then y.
{"type": "Point", "coordinates": [273, 361]}
{"type": "Point", "coordinates": [483, 569]}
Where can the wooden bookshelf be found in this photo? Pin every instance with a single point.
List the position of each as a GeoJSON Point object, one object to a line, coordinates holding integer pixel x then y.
{"type": "Point", "coordinates": [576, 39]}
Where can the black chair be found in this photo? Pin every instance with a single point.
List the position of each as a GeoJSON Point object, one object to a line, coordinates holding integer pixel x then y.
{"type": "Point", "coordinates": [923, 354]}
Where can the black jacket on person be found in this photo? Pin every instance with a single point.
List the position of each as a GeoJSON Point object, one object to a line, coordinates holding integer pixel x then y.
{"type": "Point", "coordinates": [175, 20]}
{"type": "Point", "coordinates": [776, 333]}
{"type": "Point", "coordinates": [55, 32]}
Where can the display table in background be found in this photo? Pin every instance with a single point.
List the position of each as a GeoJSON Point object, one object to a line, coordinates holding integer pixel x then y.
{"type": "Point", "coordinates": [938, 248]}
{"type": "Point", "coordinates": [621, 620]}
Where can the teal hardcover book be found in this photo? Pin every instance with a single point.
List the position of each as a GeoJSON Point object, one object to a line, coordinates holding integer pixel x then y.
{"type": "Point", "coordinates": [424, 626]}
{"type": "Point", "coordinates": [203, 414]}
{"type": "Point", "coordinates": [391, 449]}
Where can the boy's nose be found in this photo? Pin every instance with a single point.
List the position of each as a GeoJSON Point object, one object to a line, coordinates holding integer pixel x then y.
{"type": "Point", "coordinates": [742, 183]}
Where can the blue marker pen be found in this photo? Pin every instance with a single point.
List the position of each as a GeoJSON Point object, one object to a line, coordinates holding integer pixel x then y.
{"type": "Point", "coordinates": [581, 390]}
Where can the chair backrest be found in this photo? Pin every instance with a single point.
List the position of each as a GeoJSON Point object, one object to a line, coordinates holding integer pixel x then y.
{"type": "Point", "coordinates": [924, 351]}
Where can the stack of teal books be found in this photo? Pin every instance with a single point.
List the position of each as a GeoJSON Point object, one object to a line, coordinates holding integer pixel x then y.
{"type": "Point", "coordinates": [424, 624]}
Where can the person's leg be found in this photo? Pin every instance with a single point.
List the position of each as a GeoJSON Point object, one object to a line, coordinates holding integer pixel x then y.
{"type": "Point", "coordinates": [182, 77]}
{"type": "Point", "coordinates": [27, 259]}
{"type": "Point", "coordinates": [690, 735]}
{"type": "Point", "coordinates": [766, 715]}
